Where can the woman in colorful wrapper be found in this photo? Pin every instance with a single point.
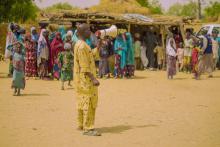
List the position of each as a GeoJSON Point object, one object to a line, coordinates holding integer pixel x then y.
{"type": "Point", "coordinates": [120, 49]}
{"type": "Point", "coordinates": [56, 48]}
{"type": "Point", "coordinates": [31, 57]}
{"type": "Point", "coordinates": [130, 63]}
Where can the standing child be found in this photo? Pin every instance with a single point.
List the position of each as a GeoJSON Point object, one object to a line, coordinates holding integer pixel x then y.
{"type": "Point", "coordinates": [171, 56]}
{"type": "Point", "coordinates": [180, 56]}
{"type": "Point", "coordinates": [103, 62]}
{"type": "Point", "coordinates": [18, 72]}
{"type": "Point", "coordinates": [195, 57]}
{"type": "Point", "coordinates": [160, 55]}
{"type": "Point", "coordinates": [66, 64]}
{"type": "Point", "coordinates": [188, 52]}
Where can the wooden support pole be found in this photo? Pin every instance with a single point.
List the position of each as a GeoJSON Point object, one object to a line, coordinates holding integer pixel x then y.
{"type": "Point", "coordinates": [129, 27]}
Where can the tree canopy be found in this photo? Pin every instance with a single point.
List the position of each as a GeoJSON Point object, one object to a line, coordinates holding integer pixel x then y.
{"type": "Point", "coordinates": [153, 5]}
{"type": "Point", "coordinates": [60, 6]}
{"type": "Point", "coordinates": [213, 11]}
{"type": "Point", "coordinates": [143, 3]}
{"type": "Point", "coordinates": [189, 9]}
{"type": "Point", "coordinates": [17, 10]}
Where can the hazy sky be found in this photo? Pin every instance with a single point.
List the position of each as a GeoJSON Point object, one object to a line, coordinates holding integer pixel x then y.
{"type": "Point", "coordinates": [86, 3]}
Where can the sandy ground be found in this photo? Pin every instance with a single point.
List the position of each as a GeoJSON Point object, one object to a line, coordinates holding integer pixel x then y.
{"type": "Point", "coordinates": [148, 111]}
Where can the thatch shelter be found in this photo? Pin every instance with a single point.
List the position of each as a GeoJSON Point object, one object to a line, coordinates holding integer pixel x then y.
{"type": "Point", "coordinates": [132, 22]}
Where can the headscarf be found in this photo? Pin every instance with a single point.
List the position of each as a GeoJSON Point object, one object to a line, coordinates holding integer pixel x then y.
{"type": "Point", "coordinates": [120, 47]}
{"type": "Point", "coordinates": [42, 49]}
{"type": "Point", "coordinates": [67, 46]}
{"type": "Point", "coordinates": [75, 37]}
{"type": "Point", "coordinates": [34, 37]}
{"type": "Point", "coordinates": [169, 49]}
{"type": "Point", "coordinates": [9, 41]}
{"type": "Point", "coordinates": [130, 49]}
{"type": "Point", "coordinates": [42, 38]}
{"type": "Point", "coordinates": [62, 31]}
{"type": "Point", "coordinates": [55, 50]}
{"type": "Point", "coordinates": [69, 33]}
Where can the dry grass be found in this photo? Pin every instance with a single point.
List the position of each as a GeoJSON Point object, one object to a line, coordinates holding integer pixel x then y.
{"type": "Point", "coordinates": [119, 6]}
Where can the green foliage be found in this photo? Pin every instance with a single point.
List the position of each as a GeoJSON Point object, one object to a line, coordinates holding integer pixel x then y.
{"type": "Point", "coordinates": [155, 7]}
{"type": "Point", "coordinates": [143, 3]}
{"type": "Point", "coordinates": [189, 9]}
{"type": "Point", "coordinates": [176, 9]}
{"type": "Point", "coordinates": [60, 6]}
{"type": "Point", "coordinates": [213, 10]}
{"type": "Point", "coordinates": [17, 10]}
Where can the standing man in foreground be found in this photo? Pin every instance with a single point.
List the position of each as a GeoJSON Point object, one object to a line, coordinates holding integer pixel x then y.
{"type": "Point", "coordinates": [85, 81]}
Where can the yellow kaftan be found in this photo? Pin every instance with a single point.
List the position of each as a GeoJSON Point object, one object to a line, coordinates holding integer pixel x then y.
{"type": "Point", "coordinates": [84, 61]}
{"type": "Point", "coordinates": [86, 92]}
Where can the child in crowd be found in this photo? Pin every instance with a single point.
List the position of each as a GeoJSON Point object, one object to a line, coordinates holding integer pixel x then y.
{"type": "Point", "coordinates": [18, 81]}
{"type": "Point", "coordinates": [103, 62]}
{"type": "Point", "coordinates": [188, 42]}
{"type": "Point", "coordinates": [160, 55]}
{"type": "Point", "coordinates": [195, 57]}
{"type": "Point", "coordinates": [180, 56]}
{"type": "Point", "coordinates": [137, 51]}
{"type": "Point", "coordinates": [66, 64]}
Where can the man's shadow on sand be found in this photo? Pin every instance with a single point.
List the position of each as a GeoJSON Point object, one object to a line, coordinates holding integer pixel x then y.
{"type": "Point", "coordinates": [122, 128]}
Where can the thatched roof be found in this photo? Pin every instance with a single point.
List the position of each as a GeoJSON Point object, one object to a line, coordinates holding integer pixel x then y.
{"type": "Point", "coordinates": [65, 17]}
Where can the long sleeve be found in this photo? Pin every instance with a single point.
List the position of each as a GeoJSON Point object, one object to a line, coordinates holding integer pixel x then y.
{"type": "Point", "coordinates": [83, 60]}
{"type": "Point", "coordinates": [205, 43]}
{"type": "Point", "coordinates": [95, 53]}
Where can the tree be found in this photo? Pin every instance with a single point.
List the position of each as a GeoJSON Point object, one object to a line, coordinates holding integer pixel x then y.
{"type": "Point", "coordinates": [24, 11]}
{"type": "Point", "coordinates": [60, 6]}
{"type": "Point", "coordinates": [143, 3]}
{"type": "Point", "coordinates": [176, 9]}
{"type": "Point", "coordinates": [213, 10]}
{"type": "Point", "coordinates": [17, 10]}
{"type": "Point", "coordinates": [155, 7]}
{"type": "Point", "coordinates": [189, 9]}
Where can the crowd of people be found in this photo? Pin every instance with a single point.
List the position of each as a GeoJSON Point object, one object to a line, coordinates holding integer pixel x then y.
{"type": "Point", "coordinates": [194, 54]}
{"type": "Point", "coordinates": [50, 54]}
{"type": "Point", "coordinates": [82, 55]}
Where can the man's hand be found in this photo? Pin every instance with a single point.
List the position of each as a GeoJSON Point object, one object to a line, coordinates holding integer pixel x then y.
{"type": "Point", "coordinates": [93, 79]}
{"type": "Point", "coordinates": [95, 82]}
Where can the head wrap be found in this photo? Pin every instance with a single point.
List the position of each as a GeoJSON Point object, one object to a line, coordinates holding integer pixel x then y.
{"type": "Point", "coordinates": [67, 46]}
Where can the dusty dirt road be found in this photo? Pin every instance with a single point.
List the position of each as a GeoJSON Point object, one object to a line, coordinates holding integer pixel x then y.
{"type": "Point", "coordinates": [148, 111]}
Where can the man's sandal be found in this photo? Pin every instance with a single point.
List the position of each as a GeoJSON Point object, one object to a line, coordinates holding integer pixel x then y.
{"type": "Point", "coordinates": [92, 133]}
